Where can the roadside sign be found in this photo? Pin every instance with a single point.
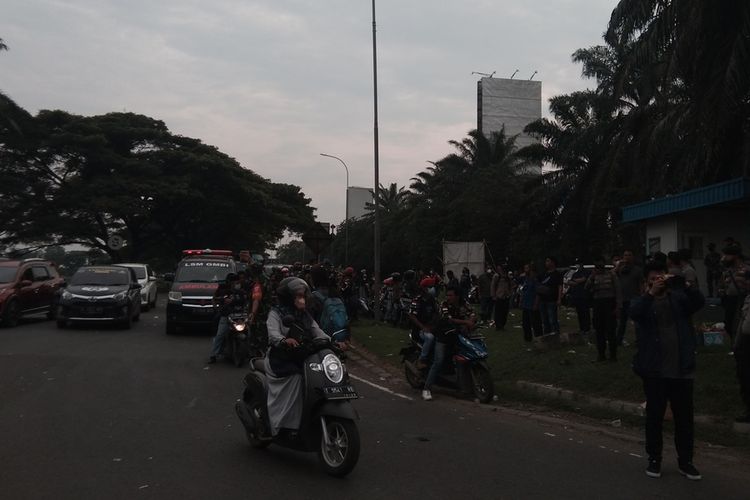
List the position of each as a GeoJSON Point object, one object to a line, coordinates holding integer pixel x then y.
{"type": "Point", "coordinates": [317, 239]}
{"type": "Point", "coordinates": [115, 242]}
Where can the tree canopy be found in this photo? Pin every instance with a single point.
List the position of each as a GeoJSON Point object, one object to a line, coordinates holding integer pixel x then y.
{"type": "Point", "coordinates": [74, 179]}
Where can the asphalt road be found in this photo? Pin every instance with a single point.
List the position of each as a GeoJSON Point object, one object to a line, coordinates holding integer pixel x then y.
{"type": "Point", "coordinates": [107, 413]}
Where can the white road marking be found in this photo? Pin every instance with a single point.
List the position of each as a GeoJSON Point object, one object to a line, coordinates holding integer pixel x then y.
{"type": "Point", "coordinates": [380, 387]}
{"type": "Point", "coordinates": [549, 434]}
{"type": "Point", "coordinates": [635, 455]}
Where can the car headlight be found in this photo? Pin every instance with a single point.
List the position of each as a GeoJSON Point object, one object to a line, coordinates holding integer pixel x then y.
{"type": "Point", "coordinates": [66, 295]}
{"type": "Point", "coordinates": [332, 368]}
{"type": "Point", "coordinates": [175, 296]}
{"type": "Point", "coordinates": [120, 296]}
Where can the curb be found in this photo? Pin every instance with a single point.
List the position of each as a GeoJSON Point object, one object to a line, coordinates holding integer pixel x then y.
{"type": "Point", "coordinates": [550, 391]}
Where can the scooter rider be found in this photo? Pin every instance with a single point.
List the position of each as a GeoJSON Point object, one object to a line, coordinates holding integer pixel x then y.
{"type": "Point", "coordinates": [227, 298]}
{"type": "Point", "coordinates": [284, 368]}
{"type": "Point", "coordinates": [423, 314]}
{"type": "Point", "coordinates": [455, 314]}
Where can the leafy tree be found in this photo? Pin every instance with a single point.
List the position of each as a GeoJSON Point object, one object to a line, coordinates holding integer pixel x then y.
{"type": "Point", "coordinates": [73, 179]}
{"type": "Point", "coordinates": [291, 252]}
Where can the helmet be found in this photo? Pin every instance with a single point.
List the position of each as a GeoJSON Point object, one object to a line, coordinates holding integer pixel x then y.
{"type": "Point", "coordinates": [289, 288]}
{"type": "Point", "coordinates": [396, 276]}
{"type": "Point", "coordinates": [427, 282]}
{"type": "Point", "coordinates": [230, 277]}
{"type": "Point", "coordinates": [349, 271]}
{"type": "Point", "coordinates": [410, 275]}
{"type": "Point", "coordinates": [284, 270]}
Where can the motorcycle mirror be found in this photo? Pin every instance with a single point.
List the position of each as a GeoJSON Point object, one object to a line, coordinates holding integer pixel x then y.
{"type": "Point", "coordinates": [287, 320]}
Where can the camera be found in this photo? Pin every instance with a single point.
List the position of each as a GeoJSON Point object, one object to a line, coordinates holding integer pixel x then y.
{"type": "Point", "coordinates": [675, 282]}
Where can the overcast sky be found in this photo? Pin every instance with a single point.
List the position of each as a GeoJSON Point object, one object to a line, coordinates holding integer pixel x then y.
{"type": "Point", "coordinates": [274, 83]}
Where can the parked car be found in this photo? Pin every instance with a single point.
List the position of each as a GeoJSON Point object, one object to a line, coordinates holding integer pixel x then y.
{"type": "Point", "coordinates": [147, 280]}
{"type": "Point", "coordinates": [27, 286]}
{"type": "Point", "coordinates": [101, 294]}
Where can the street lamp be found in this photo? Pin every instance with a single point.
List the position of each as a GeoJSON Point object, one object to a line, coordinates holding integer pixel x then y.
{"type": "Point", "coordinates": [346, 242]}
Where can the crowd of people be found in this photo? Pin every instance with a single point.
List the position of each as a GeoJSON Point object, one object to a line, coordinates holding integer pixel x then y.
{"type": "Point", "coordinates": [660, 296]}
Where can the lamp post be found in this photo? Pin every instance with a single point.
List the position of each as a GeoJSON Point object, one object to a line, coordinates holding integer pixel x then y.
{"type": "Point", "coordinates": [346, 237]}
{"type": "Point", "coordinates": [376, 249]}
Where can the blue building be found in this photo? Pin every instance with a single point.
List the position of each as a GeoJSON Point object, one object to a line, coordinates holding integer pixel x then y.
{"type": "Point", "coordinates": [695, 218]}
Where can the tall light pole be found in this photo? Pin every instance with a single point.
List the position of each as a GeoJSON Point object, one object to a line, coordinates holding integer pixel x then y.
{"type": "Point", "coordinates": [376, 249]}
{"type": "Point", "coordinates": [346, 244]}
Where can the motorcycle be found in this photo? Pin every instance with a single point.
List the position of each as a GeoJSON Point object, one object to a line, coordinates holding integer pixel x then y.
{"type": "Point", "coordinates": [237, 344]}
{"type": "Point", "coordinates": [465, 368]}
{"type": "Point", "coordinates": [328, 425]}
{"type": "Point", "coordinates": [404, 307]}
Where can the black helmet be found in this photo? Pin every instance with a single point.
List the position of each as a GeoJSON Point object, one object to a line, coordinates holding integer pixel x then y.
{"type": "Point", "coordinates": [289, 288]}
{"type": "Point", "coordinates": [396, 276]}
{"type": "Point", "coordinates": [230, 277]}
{"type": "Point", "coordinates": [410, 275]}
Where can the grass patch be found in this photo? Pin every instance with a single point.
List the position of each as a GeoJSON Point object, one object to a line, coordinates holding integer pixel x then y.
{"type": "Point", "coordinates": [574, 367]}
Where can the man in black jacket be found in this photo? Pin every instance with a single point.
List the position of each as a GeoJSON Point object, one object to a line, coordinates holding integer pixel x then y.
{"type": "Point", "coordinates": [665, 359]}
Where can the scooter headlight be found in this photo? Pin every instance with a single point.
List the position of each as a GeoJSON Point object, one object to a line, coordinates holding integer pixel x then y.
{"type": "Point", "coordinates": [333, 368]}
{"type": "Point", "coordinates": [238, 326]}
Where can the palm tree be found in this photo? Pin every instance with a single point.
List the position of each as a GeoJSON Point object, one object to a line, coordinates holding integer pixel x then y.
{"type": "Point", "coordinates": [391, 199]}
{"type": "Point", "coordinates": [699, 53]}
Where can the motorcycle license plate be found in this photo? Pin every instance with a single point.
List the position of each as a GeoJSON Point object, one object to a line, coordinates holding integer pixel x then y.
{"type": "Point", "coordinates": [340, 392]}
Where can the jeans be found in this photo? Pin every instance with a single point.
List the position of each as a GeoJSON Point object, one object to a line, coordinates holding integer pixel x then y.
{"type": "Point", "coordinates": [622, 324]}
{"type": "Point", "coordinates": [732, 305]}
{"type": "Point", "coordinates": [679, 394]}
{"type": "Point", "coordinates": [532, 322]}
{"type": "Point", "coordinates": [428, 340]}
{"type": "Point", "coordinates": [605, 326]}
{"type": "Point", "coordinates": [549, 317]}
{"type": "Point", "coordinates": [501, 313]}
{"type": "Point", "coordinates": [583, 311]}
{"type": "Point", "coordinates": [221, 333]}
{"type": "Point", "coordinates": [486, 308]}
{"type": "Point", "coordinates": [437, 364]}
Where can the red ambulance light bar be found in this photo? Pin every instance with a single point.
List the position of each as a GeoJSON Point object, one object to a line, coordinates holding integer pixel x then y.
{"type": "Point", "coordinates": [207, 251]}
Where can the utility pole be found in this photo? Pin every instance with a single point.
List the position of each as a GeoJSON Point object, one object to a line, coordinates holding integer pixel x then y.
{"type": "Point", "coordinates": [376, 248]}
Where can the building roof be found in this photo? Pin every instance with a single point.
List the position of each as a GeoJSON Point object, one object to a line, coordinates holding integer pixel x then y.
{"type": "Point", "coordinates": [715, 194]}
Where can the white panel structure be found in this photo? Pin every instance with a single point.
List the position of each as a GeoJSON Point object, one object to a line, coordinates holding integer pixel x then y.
{"type": "Point", "coordinates": [460, 254]}
{"type": "Point", "coordinates": [358, 198]}
{"type": "Point", "coordinates": [510, 103]}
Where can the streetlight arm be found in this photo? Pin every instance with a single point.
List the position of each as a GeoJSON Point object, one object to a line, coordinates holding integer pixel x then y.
{"type": "Point", "coordinates": [343, 163]}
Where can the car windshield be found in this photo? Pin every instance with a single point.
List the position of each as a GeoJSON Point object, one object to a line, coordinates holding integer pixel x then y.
{"type": "Point", "coordinates": [140, 272]}
{"type": "Point", "coordinates": [106, 276]}
{"type": "Point", "coordinates": [7, 274]}
{"type": "Point", "coordinates": [202, 272]}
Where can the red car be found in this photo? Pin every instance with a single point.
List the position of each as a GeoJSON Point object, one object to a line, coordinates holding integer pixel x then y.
{"type": "Point", "coordinates": [27, 286]}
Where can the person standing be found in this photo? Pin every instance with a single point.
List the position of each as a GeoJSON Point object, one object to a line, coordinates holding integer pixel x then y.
{"type": "Point", "coordinates": [465, 283]}
{"type": "Point", "coordinates": [712, 261]}
{"type": "Point", "coordinates": [665, 360]}
{"type": "Point", "coordinates": [549, 291]}
{"type": "Point", "coordinates": [733, 287]}
{"type": "Point", "coordinates": [630, 276]}
{"type": "Point", "coordinates": [531, 320]}
{"type": "Point", "coordinates": [580, 299]}
{"type": "Point", "coordinates": [607, 298]}
{"type": "Point", "coordinates": [733, 290]}
{"type": "Point", "coordinates": [501, 290]}
{"type": "Point", "coordinates": [452, 281]}
{"type": "Point", "coordinates": [485, 294]}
